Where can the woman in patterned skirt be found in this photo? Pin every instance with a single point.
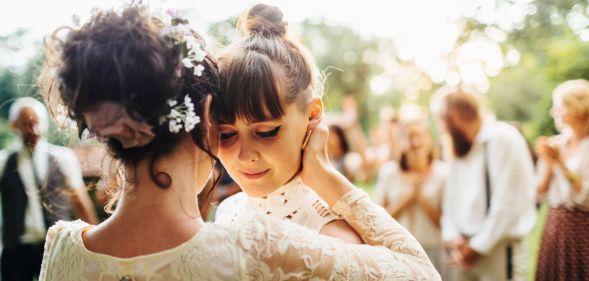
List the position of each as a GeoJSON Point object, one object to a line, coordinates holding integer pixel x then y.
{"type": "Point", "coordinates": [564, 183]}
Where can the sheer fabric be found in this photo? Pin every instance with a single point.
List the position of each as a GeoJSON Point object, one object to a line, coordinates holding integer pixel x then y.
{"type": "Point", "coordinates": [294, 202]}
{"type": "Point", "coordinates": [259, 248]}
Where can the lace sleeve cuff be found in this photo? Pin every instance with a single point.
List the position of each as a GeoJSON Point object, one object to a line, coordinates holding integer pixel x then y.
{"type": "Point", "coordinates": [342, 206]}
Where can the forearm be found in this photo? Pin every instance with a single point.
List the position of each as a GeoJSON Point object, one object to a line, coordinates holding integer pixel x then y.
{"type": "Point", "coordinates": [397, 210]}
{"type": "Point", "coordinates": [432, 212]}
{"type": "Point", "coordinates": [544, 183]}
{"type": "Point", "coordinates": [573, 179]}
{"type": "Point", "coordinates": [83, 207]}
{"type": "Point", "coordinates": [335, 186]}
{"type": "Point", "coordinates": [374, 225]}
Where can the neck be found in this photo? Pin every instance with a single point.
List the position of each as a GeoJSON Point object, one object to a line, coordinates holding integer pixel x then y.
{"type": "Point", "coordinates": [580, 132]}
{"type": "Point", "coordinates": [144, 203]}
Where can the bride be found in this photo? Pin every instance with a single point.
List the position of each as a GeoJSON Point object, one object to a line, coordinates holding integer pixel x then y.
{"type": "Point", "coordinates": [145, 87]}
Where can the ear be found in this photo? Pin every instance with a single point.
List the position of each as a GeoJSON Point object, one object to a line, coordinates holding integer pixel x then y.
{"type": "Point", "coordinates": [315, 110]}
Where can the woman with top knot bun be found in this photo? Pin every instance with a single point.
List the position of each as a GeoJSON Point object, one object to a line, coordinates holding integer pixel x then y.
{"type": "Point", "coordinates": [144, 86]}
{"type": "Point", "coordinates": [270, 102]}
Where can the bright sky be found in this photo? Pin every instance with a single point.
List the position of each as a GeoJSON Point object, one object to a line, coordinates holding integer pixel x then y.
{"type": "Point", "coordinates": [425, 31]}
{"type": "Point", "coordinates": [384, 18]}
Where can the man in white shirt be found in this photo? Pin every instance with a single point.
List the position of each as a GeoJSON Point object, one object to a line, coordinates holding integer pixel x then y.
{"type": "Point", "coordinates": [489, 202]}
{"type": "Point", "coordinates": [40, 183]}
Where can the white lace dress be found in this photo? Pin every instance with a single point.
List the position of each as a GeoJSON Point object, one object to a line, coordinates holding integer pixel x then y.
{"type": "Point", "coordinates": [293, 201]}
{"type": "Point", "coordinates": [259, 248]}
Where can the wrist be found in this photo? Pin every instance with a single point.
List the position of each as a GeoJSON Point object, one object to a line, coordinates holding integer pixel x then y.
{"type": "Point", "coordinates": [332, 186]}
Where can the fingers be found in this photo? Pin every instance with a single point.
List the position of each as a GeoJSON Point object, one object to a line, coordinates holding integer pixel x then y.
{"type": "Point", "coordinates": [318, 136]}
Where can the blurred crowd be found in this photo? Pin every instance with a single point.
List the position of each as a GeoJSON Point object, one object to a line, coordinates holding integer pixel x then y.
{"type": "Point", "coordinates": [469, 187]}
{"type": "Point", "coordinates": [466, 185]}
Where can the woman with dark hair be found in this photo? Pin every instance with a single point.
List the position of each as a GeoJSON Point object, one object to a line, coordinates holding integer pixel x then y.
{"type": "Point", "coordinates": [411, 190]}
{"type": "Point", "coordinates": [145, 88]}
{"type": "Point", "coordinates": [338, 148]}
{"type": "Point", "coordinates": [270, 101]}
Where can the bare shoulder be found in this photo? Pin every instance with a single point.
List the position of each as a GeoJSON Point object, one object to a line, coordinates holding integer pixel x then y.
{"type": "Point", "coordinates": [342, 230]}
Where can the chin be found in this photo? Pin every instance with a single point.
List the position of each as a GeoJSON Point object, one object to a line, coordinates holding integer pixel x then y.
{"type": "Point", "coordinates": [257, 190]}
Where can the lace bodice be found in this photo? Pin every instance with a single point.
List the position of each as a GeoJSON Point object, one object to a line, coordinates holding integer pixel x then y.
{"type": "Point", "coordinates": [259, 248]}
{"type": "Point", "coordinates": [294, 202]}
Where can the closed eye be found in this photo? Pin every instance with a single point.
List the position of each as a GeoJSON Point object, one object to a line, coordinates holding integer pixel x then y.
{"type": "Point", "coordinates": [226, 136]}
{"type": "Point", "coordinates": [269, 134]}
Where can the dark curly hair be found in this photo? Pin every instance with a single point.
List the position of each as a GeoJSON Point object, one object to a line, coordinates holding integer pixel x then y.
{"type": "Point", "coordinates": [126, 58]}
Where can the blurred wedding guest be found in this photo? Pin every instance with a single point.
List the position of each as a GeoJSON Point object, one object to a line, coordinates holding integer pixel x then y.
{"type": "Point", "coordinates": [338, 148]}
{"type": "Point", "coordinates": [39, 185]}
{"type": "Point", "coordinates": [489, 200]}
{"type": "Point", "coordinates": [564, 183]}
{"type": "Point", "coordinates": [411, 191]}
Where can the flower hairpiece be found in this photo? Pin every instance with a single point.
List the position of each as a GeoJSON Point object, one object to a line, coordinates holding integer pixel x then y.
{"type": "Point", "coordinates": [181, 115]}
{"type": "Point", "coordinates": [180, 33]}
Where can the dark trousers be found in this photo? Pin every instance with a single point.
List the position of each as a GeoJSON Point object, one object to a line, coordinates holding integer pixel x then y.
{"type": "Point", "coordinates": [22, 263]}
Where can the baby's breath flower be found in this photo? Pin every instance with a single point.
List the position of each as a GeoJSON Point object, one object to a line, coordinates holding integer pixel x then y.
{"type": "Point", "coordinates": [181, 116]}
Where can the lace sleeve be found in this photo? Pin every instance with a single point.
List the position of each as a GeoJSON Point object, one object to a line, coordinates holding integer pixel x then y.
{"type": "Point", "coordinates": [52, 235]}
{"type": "Point", "coordinates": [282, 251]}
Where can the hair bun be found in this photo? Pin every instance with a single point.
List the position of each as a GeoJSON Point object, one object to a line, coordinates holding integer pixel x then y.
{"type": "Point", "coordinates": [265, 20]}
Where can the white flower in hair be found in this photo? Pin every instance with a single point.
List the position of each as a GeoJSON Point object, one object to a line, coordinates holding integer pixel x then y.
{"type": "Point", "coordinates": [198, 70]}
{"type": "Point", "coordinates": [181, 116]}
{"type": "Point", "coordinates": [195, 53]}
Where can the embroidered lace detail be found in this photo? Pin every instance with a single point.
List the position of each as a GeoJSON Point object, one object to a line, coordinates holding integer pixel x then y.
{"type": "Point", "coordinates": [257, 248]}
{"type": "Point", "coordinates": [294, 201]}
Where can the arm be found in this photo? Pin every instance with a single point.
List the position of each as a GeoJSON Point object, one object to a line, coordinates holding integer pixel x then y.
{"type": "Point", "coordinates": [82, 205]}
{"type": "Point", "coordinates": [432, 212]}
{"type": "Point", "coordinates": [78, 194]}
{"type": "Point", "coordinates": [511, 172]}
{"type": "Point", "coordinates": [290, 251]}
{"type": "Point", "coordinates": [408, 200]}
{"type": "Point", "coordinates": [546, 175]}
{"type": "Point", "coordinates": [582, 196]}
{"type": "Point", "coordinates": [449, 231]}
{"type": "Point", "coordinates": [573, 178]}
{"type": "Point", "coordinates": [341, 230]}
{"type": "Point", "coordinates": [383, 186]}
{"type": "Point", "coordinates": [398, 255]}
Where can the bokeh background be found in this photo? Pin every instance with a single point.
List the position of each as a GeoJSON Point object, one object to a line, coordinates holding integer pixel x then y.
{"type": "Point", "coordinates": [389, 56]}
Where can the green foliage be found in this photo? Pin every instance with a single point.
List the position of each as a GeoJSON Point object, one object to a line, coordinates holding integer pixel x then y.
{"type": "Point", "coordinates": [18, 82]}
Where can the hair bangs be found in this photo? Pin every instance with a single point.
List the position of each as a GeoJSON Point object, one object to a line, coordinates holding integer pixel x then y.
{"type": "Point", "coordinates": [252, 89]}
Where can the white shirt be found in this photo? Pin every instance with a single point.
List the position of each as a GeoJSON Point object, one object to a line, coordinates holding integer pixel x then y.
{"type": "Point", "coordinates": [560, 192]}
{"type": "Point", "coordinates": [293, 201]}
{"type": "Point", "coordinates": [392, 187]}
{"type": "Point", "coordinates": [512, 212]}
{"type": "Point", "coordinates": [68, 165]}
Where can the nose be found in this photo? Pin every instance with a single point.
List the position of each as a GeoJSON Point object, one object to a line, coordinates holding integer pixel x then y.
{"type": "Point", "coordinates": [247, 151]}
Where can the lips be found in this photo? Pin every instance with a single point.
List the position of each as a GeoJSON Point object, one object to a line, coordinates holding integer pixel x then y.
{"type": "Point", "coordinates": [254, 174]}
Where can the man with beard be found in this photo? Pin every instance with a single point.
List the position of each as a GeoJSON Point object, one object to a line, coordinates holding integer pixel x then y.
{"type": "Point", "coordinates": [489, 201]}
{"type": "Point", "coordinates": [39, 183]}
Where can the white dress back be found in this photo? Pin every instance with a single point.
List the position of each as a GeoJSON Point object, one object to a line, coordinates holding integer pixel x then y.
{"type": "Point", "coordinates": [256, 248]}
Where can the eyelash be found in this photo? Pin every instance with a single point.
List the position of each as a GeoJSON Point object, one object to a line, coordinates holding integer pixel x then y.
{"type": "Point", "coordinates": [266, 135]}
{"type": "Point", "coordinates": [226, 136]}
{"type": "Point", "coordinates": [269, 134]}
